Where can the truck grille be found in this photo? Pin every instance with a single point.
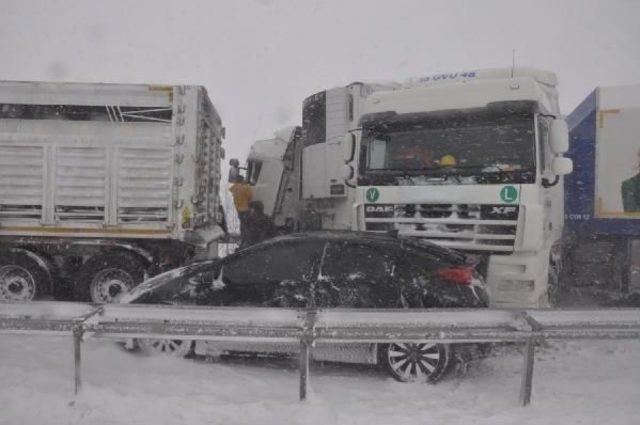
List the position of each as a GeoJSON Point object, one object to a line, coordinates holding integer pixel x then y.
{"type": "Point", "coordinates": [470, 227]}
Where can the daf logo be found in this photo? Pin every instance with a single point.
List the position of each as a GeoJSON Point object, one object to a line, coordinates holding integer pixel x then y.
{"type": "Point", "coordinates": [503, 210]}
{"type": "Point", "coordinates": [379, 208]}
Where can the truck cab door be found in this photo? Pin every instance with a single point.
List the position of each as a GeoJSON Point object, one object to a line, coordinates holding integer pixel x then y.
{"type": "Point", "coordinates": [552, 197]}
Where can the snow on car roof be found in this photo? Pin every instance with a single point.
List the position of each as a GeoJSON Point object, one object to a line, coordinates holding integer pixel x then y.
{"type": "Point", "coordinates": [364, 237]}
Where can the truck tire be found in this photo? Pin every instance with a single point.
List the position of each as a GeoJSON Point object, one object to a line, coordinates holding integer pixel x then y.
{"type": "Point", "coordinates": [24, 276]}
{"type": "Point", "coordinates": [105, 277]}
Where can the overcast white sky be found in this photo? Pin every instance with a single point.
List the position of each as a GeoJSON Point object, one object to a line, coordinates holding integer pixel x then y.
{"type": "Point", "coordinates": [259, 59]}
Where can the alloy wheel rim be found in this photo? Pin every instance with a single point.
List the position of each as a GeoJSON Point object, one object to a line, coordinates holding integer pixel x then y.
{"type": "Point", "coordinates": [166, 346]}
{"type": "Point", "coordinates": [414, 362]}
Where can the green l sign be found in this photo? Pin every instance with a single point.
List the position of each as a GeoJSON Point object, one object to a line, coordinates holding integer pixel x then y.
{"type": "Point", "coordinates": [372, 194]}
{"type": "Point", "coordinates": [509, 194]}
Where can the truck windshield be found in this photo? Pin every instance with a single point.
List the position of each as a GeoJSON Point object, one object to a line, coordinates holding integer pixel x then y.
{"type": "Point", "coordinates": [484, 146]}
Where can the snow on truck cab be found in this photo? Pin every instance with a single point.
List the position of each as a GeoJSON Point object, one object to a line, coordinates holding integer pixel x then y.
{"type": "Point", "coordinates": [101, 184]}
{"type": "Point", "coordinates": [471, 161]}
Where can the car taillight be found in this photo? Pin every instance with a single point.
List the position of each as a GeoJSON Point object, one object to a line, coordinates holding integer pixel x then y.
{"type": "Point", "coordinates": [461, 275]}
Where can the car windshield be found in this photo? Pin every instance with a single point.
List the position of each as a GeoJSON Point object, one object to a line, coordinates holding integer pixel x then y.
{"type": "Point", "coordinates": [474, 143]}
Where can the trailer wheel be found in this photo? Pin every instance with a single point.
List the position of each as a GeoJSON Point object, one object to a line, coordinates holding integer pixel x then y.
{"type": "Point", "coordinates": [104, 278]}
{"type": "Point", "coordinates": [23, 276]}
{"type": "Point", "coordinates": [415, 362]}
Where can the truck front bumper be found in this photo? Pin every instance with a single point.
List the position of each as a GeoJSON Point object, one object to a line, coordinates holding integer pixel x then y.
{"type": "Point", "coordinates": [519, 280]}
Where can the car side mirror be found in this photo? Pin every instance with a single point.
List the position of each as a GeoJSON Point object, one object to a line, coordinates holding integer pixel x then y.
{"type": "Point", "coordinates": [559, 136]}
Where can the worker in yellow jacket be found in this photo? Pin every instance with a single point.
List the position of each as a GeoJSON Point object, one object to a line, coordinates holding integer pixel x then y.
{"type": "Point", "coordinates": [242, 197]}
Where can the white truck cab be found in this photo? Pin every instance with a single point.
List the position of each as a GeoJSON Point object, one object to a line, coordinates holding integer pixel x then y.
{"type": "Point", "coordinates": [471, 161]}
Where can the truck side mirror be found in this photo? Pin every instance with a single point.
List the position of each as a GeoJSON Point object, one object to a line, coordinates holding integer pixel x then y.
{"type": "Point", "coordinates": [348, 173]}
{"type": "Point", "coordinates": [348, 147]}
{"type": "Point", "coordinates": [561, 166]}
{"type": "Point", "coordinates": [559, 136]}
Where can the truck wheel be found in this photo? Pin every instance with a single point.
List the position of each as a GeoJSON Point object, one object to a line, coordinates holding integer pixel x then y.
{"type": "Point", "coordinates": [104, 278]}
{"type": "Point", "coordinates": [23, 276]}
{"type": "Point", "coordinates": [415, 362]}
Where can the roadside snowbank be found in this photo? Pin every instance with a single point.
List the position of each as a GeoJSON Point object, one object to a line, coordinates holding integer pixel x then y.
{"type": "Point", "coordinates": [590, 382]}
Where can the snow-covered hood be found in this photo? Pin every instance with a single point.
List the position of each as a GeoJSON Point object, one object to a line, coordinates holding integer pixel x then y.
{"type": "Point", "coordinates": [167, 278]}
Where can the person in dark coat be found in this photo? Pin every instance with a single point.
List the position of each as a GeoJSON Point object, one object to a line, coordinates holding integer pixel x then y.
{"type": "Point", "coordinates": [260, 226]}
{"type": "Point", "coordinates": [631, 194]}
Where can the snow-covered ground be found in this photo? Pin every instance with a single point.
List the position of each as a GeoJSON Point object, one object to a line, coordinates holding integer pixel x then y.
{"type": "Point", "coordinates": [588, 382]}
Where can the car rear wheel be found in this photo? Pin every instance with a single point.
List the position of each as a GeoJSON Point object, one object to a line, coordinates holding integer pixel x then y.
{"type": "Point", "coordinates": [415, 362]}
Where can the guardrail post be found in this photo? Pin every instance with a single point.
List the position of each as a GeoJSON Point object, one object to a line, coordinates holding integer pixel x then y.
{"type": "Point", "coordinates": [529, 354]}
{"type": "Point", "coordinates": [527, 372]}
{"type": "Point", "coordinates": [77, 341]}
{"type": "Point", "coordinates": [304, 369]}
{"type": "Point", "coordinates": [306, 342]}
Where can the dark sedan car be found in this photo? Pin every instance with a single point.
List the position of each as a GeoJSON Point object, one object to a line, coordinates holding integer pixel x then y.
{"type": "Point", "coordinates": [329, 269]}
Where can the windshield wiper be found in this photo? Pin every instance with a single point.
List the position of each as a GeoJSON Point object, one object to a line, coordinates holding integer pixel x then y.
{"type": "Point", "coordinates": [496, 174]}
{"type": "Point", "coordinates": [493, 168]}
{"type": "Point", "coordinates": [408, 178]}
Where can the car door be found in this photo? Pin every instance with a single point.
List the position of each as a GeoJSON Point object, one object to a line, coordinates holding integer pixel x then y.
{"type": "Point", "coordinates": [355, 275]}
{"type": "Point", "coordinates": [276, 275]}
{"type": "Point", "coordinates": [358, 274]}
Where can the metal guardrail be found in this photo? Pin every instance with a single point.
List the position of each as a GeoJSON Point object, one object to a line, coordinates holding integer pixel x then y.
{"type": "Point", "coordinates": [42, 317]}
{"type": "Point", "coordinates": [120, 321]}
{"type": "Point", "coordinates": [196, 323]}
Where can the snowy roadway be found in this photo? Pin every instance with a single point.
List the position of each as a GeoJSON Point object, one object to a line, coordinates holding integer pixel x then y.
{"type": "Point", "coordinates": [585, 382]}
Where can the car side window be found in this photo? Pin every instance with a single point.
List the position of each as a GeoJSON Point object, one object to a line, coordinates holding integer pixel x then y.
{"type": "Point", "coordinates": [274, 263]}
{"type": "Point", "coordinates": [357, 275]}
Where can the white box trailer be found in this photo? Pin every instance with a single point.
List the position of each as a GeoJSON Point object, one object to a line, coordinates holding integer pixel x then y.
{"type": "Point", "coordinates": [602, 195]}
{"type": "Point", "coordinates": [103, 183]}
